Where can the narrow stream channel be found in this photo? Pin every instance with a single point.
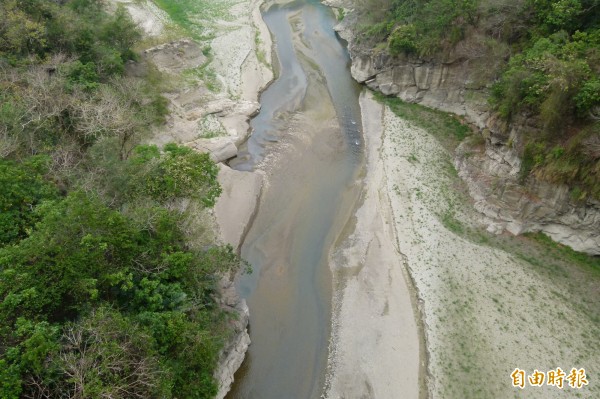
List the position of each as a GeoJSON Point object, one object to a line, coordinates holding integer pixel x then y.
{"type": "Point", "coordinates": [307, 141]}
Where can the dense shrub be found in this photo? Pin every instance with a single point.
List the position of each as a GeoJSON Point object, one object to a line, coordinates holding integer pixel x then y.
{"type": "Point", "coordinates": [403, 40]}
{"type": "Point", "coordinates": [558, 73]}
{"type": "Point", "coordinates": [103, 290]}
{"type": "Point", "coordinates": [177, 172]}
{"type": "Point", "coordinates": [22, 188]}
{"type": "Point", "coordinates": [79, 28]}
{"type": "Point", "coordinates": [555, 80]}
{"type": "Point", "coordinates": [422, 26]}
{"type": "Point", "coordinates": [81, 258]}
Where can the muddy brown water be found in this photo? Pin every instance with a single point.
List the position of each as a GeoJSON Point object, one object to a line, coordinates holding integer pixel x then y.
{"type": "Point", "coordinates": [307, 141]}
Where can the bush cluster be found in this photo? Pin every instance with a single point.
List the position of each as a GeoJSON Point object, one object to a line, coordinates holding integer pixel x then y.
{"type": "Point", "coordinates": [424, 27]}
{"type": "Point", "coordinates": [77, 28]}
{"type": "Point", "coordinates": [554, 80]}
{"type": "Point", "coordinates": [103, 292]}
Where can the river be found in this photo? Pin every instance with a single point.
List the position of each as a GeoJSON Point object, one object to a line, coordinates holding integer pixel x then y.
{"type": "Point", "coordinates": [307, 142]}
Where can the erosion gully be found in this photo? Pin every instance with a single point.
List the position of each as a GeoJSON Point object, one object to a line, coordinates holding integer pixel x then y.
{"type": "Point", "coordinates": [307, 141]}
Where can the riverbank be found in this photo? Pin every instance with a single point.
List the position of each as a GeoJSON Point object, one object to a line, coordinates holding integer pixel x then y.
{"type": "Point", "coordinates": [242, 67]}
{"type": "Point", "coordinates": [214, 68]}
{"type": "Point", "coordinates": [215, 60]}
{"type": "Point", "coordinates": [488, 304]}
{"type": "Point", "coordinates": [307, 141]}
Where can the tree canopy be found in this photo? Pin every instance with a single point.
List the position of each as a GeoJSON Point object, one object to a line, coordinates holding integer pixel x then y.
{"type": "Point", "coordinates": [103, 290]}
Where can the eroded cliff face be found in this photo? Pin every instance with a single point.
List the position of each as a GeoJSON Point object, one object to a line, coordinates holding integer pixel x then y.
{"type": "Point", "coordinates": [445, 86]}
{"type": "Point", "coordinates": [491, 171]}
{"type": "Point", "coordinates": [235, 349]}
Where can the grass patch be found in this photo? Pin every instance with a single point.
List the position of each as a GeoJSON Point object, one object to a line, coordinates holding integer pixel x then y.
{"type": "Point", "coordinates": [452, 224]}
{"type": "Point", "coordinates": [205, 72]}
{"type": "Point", "coordinates": [178, 10]}
{"type": "Point", "coordinates": [260, 54]}
{"type": "Point", "coordinates": [188, 13]}
{"type": "Point", "coordinates": [209, 134]}
{"type": "Point", "coordinates": [567, 254]}
{"type": "Point", "coordinates": [208, 76]}
{"type": "Point", "coordinates": [447, 128]}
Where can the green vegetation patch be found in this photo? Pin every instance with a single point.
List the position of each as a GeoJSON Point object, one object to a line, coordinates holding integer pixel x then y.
{"type": "Point", "coordinates": [554, 80]}
{"type": "Point", "coordinates": [193, 15]}
{"type": "Point", "coordinates": [417, 26]}
{"type": "Point", "coordinates": [107, 286]}
{"type": "Point", "coordinates": [567, 254]}
{"type": "Point", "coordinates": [23, 187]}
{"type": "Point", "coordinates": [114, 295]}
{"type": "Point", "coordinates": [446, 127]}
{"type": "Point", "coordinates": [80, 28]}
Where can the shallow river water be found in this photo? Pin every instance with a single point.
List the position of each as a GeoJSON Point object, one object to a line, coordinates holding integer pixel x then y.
{"type": "Point", "coordinates": [307, 141]}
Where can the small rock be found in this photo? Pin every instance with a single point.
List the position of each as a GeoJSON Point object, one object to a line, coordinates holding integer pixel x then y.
{"type": "Point", "coordinates": [220, 148]}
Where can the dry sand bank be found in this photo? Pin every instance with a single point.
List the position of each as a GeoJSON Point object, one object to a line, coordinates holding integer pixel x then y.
{"type": "Point", "coordinates": [485, 310]}
{"type": "Point", "coordinates": [375, 344]}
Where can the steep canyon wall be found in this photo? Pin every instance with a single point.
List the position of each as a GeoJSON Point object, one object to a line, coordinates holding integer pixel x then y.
{"type": "Point", "coordinates": [491, 171]}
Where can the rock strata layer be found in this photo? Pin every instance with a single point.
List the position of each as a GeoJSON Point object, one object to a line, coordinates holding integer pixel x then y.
{"type": "Point", "coordinates": [492, 174]}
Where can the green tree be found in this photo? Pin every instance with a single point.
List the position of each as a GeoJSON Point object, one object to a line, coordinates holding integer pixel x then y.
{"type": "Point", "coordinates": [179, 172]}
{"type": "Point", "coordinates": [21, 34]}
{"type": "Point", "coordinates": [22, 188]}
{"type": "Point", "coordinates": [79, 253]}
{"type": "Point", "coordinates": [403, 40]}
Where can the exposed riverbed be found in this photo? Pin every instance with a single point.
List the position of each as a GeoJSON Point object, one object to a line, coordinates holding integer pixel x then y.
{"type": "Point", "coordinates": [382, 225]}
{"type": "Point", "coordinates": [307, 141]}
{"type": "Point", "coordinates": [403, 243]}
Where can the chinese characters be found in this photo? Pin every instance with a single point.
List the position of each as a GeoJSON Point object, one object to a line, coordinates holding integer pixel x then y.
{"type": "Point", "coordinates": [558, 378]}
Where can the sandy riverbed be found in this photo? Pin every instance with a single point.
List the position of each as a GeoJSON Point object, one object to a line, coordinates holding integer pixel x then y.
{"type": "Point", "coordinates": [375, 344]}
{"type": "Point", "coordinates": [485, 309]}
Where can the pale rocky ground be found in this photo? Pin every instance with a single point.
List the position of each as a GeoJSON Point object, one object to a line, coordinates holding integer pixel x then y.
{"type": "Point", "coordinates": [486, 311]}
{"type": "Point", "coordinates": [234, 60]}
{"type": "Point", "coordinates": [217, 80]}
